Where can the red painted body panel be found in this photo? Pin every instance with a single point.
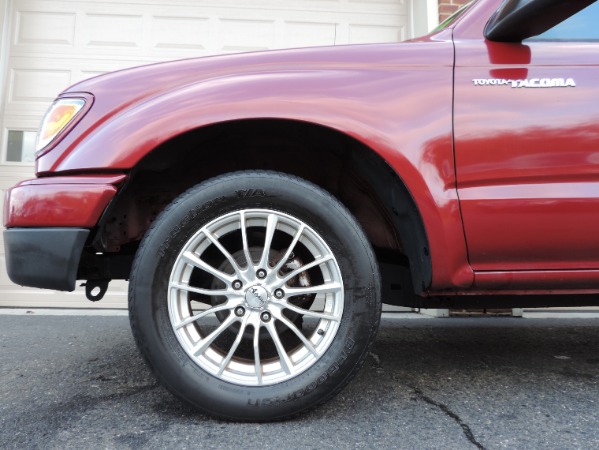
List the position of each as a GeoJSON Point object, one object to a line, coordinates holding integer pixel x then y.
{"type": "Point", "coordinates": [561, 281]}
{"type": "Point", "coordinates": [59, 202]}
{"type": "Point", "coordinates": [395, 98]}
{"type": "Point", "coordinates": [528, 162]}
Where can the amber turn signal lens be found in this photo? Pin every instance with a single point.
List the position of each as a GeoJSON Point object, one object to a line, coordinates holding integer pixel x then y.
{"type": "Point", "coordinates": [60, 114]}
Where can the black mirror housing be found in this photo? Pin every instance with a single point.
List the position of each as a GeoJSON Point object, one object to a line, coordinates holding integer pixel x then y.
{"type": "Point", "coordinates": [516, 20]}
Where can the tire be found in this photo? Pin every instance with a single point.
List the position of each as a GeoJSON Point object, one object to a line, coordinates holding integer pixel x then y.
{"type": "Point", "coordinates": [261, 341]}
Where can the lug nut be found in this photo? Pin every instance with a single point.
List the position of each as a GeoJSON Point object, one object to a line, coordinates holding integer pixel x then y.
{"type": "Point", "coordinates": [237, 285]}
{"type": "Point", "coordinates": [265, 316]}
{"type": "Point", "coordinates": [279, 293]}
{"type": "Point", "coordinates": [261, 273]}
{"type": "Point", "coordinates": [239, 311]}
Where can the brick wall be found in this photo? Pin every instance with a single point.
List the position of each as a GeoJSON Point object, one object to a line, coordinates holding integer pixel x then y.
{"type": "Point", "coordinates": [448, 7]}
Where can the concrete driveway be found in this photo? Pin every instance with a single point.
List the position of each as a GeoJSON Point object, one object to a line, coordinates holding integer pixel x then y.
{"type": "Point", "coordinates": [78, 382]}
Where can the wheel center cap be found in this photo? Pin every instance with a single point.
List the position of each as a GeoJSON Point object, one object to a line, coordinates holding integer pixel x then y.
{"type": "Point", "coordinates": [256, 297]}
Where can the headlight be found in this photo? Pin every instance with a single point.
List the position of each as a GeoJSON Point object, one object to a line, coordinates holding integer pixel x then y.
{"type": "Point", "coordinates": [62, 113]}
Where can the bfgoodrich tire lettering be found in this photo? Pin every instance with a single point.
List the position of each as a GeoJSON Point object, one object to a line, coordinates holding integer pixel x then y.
{"type": "Point", "coordinates": [255, 296]}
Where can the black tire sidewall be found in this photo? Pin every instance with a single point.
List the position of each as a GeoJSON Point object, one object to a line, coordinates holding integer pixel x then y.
{"type": "Point", "coordinates": [208, 201]}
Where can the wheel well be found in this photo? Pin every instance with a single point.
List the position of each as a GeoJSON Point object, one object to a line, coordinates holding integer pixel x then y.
{"type": "Point", "coordinates": [352, 172]}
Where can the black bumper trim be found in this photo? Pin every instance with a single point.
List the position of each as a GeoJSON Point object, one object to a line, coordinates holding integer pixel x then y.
{"type": "Point", "coordinates": [45, 258]}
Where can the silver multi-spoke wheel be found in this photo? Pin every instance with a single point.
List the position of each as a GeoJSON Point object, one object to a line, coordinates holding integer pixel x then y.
{"type": "Point", "coordinates": [255, 297]}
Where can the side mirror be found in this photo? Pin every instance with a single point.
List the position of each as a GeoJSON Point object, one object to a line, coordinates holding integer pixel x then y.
{"type": "Point", "coordinates": [516, 20]}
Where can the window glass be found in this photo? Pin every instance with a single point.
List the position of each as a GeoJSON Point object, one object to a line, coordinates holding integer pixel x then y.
{"type": "Point", "coordinates": [582, 26]}
{"type": "Point", "coordinates": [21, 146]}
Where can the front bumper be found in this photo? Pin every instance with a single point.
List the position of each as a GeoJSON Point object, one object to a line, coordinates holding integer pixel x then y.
{"type": "Point", "coordinates": [44, 257]}
{"type": "Point", "coordinates": [48, 222]}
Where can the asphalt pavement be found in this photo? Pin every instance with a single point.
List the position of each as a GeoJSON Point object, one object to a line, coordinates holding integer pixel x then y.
{"type": "Point", "coordinates": [74, 382]}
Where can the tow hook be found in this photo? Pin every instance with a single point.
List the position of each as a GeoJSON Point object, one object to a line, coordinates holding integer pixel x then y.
{"type": "Point", "coordinates": [95, 289]}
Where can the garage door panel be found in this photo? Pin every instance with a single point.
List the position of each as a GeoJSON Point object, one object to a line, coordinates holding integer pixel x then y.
{"type": "Point", "coordinates": [188, 33]}
{"type": "Point", "coordinates": [113, 30]}
{"type": "Point", "coordinates": [299, 34]}
{"type": "Point", "coordinates": [36, 85]}
{"type": "Point", "coordinates": [33, 84]}
{"type": "Point", "coordinates": [246, 35]}
{"type": "Point", "coordinates": [40, 28]}
{"type": "Point", "coordinates": [367, 33]}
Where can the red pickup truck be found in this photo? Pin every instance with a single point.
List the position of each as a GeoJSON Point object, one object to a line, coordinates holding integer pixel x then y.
{"type": "Point", "coordinates": [263, 205]}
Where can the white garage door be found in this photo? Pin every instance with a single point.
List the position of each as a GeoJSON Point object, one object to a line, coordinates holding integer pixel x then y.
{"type": "Point", "coordinates": [48, 45]}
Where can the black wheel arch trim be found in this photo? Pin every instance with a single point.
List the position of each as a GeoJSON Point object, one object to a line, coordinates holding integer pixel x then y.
{"type": "Point", "coordinates": [403, 213]}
